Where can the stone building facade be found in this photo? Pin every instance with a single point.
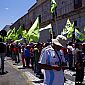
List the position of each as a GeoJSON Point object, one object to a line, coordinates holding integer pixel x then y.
{"type": "Point", "coordinates": [72, 9]}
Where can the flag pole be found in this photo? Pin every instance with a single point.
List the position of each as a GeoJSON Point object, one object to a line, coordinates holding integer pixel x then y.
{"type": "Point", "coordinates": [39, 25]}
{"type": "Point", "coordinates": [55, 16]}
{"type": "Point", "coordinates": [73, 38]}
{"type": "Point", "coordinates": [53, 11]}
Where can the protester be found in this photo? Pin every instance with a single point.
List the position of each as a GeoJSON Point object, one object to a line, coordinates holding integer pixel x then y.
{"type": "Point", "coordinates": [8, 50]}
{"type": "Point", "coordinates": [70, 55]}
{"type": "Point", "coordinates": [79, 65]}
{"type": "Point", "coordinates": [2, 54]}
{"type": "Point", "coordinates": [22, 55]}
{"type": "Point", "coordinates": [27, 55]}
{"type": "Point", "coordinates": [36, 54]}
{"type": "Point", "coordinates": [53, 62]}
{"type": "Point", "coordinates": [83, 52]}
{"type": "Point", "coordinates": [17, 51]}
{"type": "Point", "coordinates": [12, 52]}
{"type": "Point", "coordinates": [32, 56]}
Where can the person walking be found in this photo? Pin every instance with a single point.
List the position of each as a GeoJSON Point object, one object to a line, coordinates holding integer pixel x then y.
{"type": "Point", "coordinates": [2, 54]}
{"type": "Point", "coordinates": [53, 62]}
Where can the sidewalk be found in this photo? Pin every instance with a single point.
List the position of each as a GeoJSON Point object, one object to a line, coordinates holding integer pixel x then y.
{"type": "Point", "coordinates": [33, 80]}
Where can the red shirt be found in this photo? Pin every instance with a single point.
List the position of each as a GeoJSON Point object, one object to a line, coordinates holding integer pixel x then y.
{"type": "Point", "coordinates": [64, 50]}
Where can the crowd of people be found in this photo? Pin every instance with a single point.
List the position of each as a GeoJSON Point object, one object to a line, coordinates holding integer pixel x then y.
{"type": "Point", "coordinates": [28, 54]}
{"type": "Point", "coordinates": [53, 57]}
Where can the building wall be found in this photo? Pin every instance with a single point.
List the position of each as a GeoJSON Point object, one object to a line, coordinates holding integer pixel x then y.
{"type": "Point", "coordinates": [42, 9]}
{"type": "Point", "coordinates": [6, 28]}
{"type": "Point", "coordinates": [64, 10]}
{"type": "Point", "coordinates": [64, 6]}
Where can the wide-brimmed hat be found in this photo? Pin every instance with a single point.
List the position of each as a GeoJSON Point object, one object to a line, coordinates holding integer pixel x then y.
{"type": "Point", "coordinates": [60, 41]}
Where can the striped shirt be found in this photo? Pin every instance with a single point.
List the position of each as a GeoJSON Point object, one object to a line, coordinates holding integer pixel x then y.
{"type": "Point", "coordinates": [49, 57]}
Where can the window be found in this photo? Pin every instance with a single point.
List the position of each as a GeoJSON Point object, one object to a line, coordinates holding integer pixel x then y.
{"type": "Point", "coordinates": [77, 4]}
{"type": "Point", "coordinates": [75, 23]}
{"type": "Point", "coordinates": [40, 18]}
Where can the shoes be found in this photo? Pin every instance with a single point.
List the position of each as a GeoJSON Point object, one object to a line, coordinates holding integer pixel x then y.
{"type": "Point", "coordinates": [2, 73]}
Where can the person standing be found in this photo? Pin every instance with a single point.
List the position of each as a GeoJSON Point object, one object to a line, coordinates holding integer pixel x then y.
{"type": "Point", "coordinates": [79, 65]}
{"type": "Point", "coordinates": [32, 56]}
{"type": "Point", "coordinates": [2, 54]}
{"type": "Point", "coordinates": [70, 55]}
{"type": "Point", "coordinates": [27, 55]}
{"type": "Point", "coordinates": [22, 55]}
{"type": "Point", "coordinates": [36, 55]}
{"type": "Point", "coordinates": [53, 62]}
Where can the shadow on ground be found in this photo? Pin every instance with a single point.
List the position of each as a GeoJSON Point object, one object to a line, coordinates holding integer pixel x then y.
{"type": "Point", "coordinates": [3, 73]}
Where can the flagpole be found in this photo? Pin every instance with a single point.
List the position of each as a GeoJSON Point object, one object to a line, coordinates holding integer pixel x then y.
{"type": "Point", "coordinates": [54, 22]}
{"type": "Point", "coordinates": [55, 16]}
{"type": "Point", "coordinates": [53, 11]}
{"type": "Point", "coordinates": [73, 38]}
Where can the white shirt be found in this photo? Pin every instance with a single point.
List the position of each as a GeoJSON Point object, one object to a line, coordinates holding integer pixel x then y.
{"type": "Point", "coordinates": [49, 57]}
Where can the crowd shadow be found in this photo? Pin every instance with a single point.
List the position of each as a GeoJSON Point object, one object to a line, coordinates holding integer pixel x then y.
{"type": "Point", "coordinates": [22, 68]}
{"type": "Point", "coordinates": [25, 67]}
{"type": "Point", "coordinates": [41, 81]}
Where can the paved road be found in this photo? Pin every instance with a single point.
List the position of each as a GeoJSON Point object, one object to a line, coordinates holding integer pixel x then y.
{"type": "Point", "coordinates": [35, 80]}
{"type": "Point", "coordinates": [12, 77]}
{"type": "Point", "coordinates": [18, 76]}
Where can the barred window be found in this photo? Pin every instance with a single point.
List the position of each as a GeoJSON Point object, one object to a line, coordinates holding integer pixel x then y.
{"type": "Point", "coordinates": [77, 4]}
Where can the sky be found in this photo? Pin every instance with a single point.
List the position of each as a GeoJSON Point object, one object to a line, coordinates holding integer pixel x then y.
{"type": "Point", "coordinates": [12, 10]}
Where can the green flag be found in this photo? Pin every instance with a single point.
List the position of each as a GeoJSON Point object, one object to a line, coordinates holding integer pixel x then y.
{"type": "Point", "coordinates": [18, 41]}
{"type": "Point", "coordinates": [68, 24]}
{"type": "Point", "coordinates": [24, 35]}
{"type": "Point", "coordinates": [19, 33]}
{"type": "Point", "coordinates": [67, 27]}
{"type": "Point", "coordinates": [12, 35]}
{"type": "Point", "coordinates": [53, 6]}
{"type": "Point", "coordinates": [79, 35]}
{"type": "Point", "coordinates": [9, 32]}
{"type": "Point", "coordinates": [33, 33]}
{"type": "Point", "coordinates": [84, 29]}
{"type": "Point", "coordinates": [70, 31]}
